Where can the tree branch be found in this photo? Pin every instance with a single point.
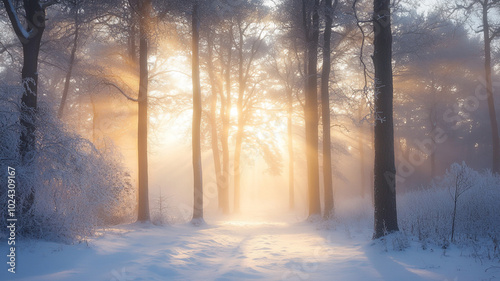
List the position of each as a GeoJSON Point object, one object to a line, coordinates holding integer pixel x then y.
{"type": "Point", "coordinates": [20, 31]}
{"type": "Point", "coordinates": [361, 51]}
{"type": "Point", "coordinates": [120, 90]}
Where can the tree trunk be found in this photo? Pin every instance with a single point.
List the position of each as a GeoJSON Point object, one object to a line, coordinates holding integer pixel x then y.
{"type": "Point", "coordinates": [241, 125]}
{"type": "Point", "coordinates": [385, 216]}
{"type": "Point", "coordinates": [372, 169]}
{"type": "Point", "coordinates": [70, 69]}
{"type": "Point", "coordinates": [362, 156]}
{"type": "Point", "coordinates": [225, 134]}
{"type": "Point", "coordinates": [213, 121]}
{"type": "Point", "coordinates": [495, 140]}
{"type": "Point", "coordinates": [132, 45]}
{"type": "Point", "coordinates": [433, 121]}
{"type": "Point", "coordinates": [291, 184]}
{"type": "Point", "coordinates": [325, 107]}
{"type": "Point", "coordinates": [237, 159]}
{"type": "Point", "coordinates": [35, 16]}
{"type": "Point", "coordinates": [311, 112]}
{"type": "Point", "coordinates": [197, 111]}
{"type": "Point", "coordinates": [29, 98]}
{"type": "Point", "coordinates": [142, 137]}
{"type": "Point", "coordinates": [95, 118]}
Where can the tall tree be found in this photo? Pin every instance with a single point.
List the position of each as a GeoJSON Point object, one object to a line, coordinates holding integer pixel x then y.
{"type": "Point", "coordinates": [325, 107]}
{"type": "Point", "coordinates": [226, 123]}
{"type": "Point", "coordinates": [245, 65]}
{"type": "Point", "coordinates": [385, 170]}
{"type": "Point", "coordinates": [291, 184]}
{"type": "Point", "coordinates": [144, 9]}
{"type": "Point", "coordinates": [214, 133]}
{"type": "Point", "coordinates": [490, 31]}
{"type": "Point", "coordinates": [76, 24]}
{"type": "Point", "coordinates": [361, 143]}
{"type": "Point", "coordinates": [30, 38]}
{"type": "Point", "coordinates": [284, 66]}
{"type": "Point", "coordinates": [311, 28]}
{"type": "Point", "coordinates": [488, 37]}
{"type": "Point", "coordinates": [79, 13]}
{"type": "Point", "coordinates": [197, 111]}
{"type": "Point", "coordinates": [241, 120]}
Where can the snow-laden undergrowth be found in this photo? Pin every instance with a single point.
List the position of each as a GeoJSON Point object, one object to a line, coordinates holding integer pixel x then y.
{"type": "Point", "coordinates": [425, 216]}
{"type": "Point", "coordinates": [67, 187]}
{"type": "Point", "coordinates": [428, 213]}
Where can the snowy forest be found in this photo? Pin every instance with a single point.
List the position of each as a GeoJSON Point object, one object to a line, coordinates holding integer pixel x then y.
{"type": "Point", "coordinates": [249, 140]}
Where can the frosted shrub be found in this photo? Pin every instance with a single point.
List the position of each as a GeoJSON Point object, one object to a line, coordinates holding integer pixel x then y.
{"type": "Point", "coordinates": [160, 210]}
{"type": "Point", "coordinates": [69, 187]}
{"type": "Point", "coordinates": [428, 213]}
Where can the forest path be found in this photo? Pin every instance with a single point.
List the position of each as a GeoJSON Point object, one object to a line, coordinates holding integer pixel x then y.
{"type": "Point", "coordinates": [238, 250]}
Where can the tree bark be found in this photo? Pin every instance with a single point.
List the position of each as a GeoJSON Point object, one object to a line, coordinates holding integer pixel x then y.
{"type": "Point", "coordinates": [70, 68]}
{"type": "Point", "coordinates": [241, 125]}
{"type": "Point", "coordinates": [433, 123]}
{"type": "Point", "coordinates": [197, 111]}
{"type": "Point", "coordinates": [132, 45]}
{"type": "Point", "coordinates": [362, 157]}
{"type": "Point", "coordinates": [225, 133]}
{"type": "Point", "coordinates": [213, 121]}
{"type": "Point", "coordinates": [30, 39]}
{"type": "Point", "coordinates": [311, 110]}
{"type": "Point", "coordinates": [372, 157]}
{"type": "Point", "coordinates": [385, 216]}
{"type": "Point", "coordinates": [291, 184]}
{"type": "Point", "coordinates": [29, 99]}
{"type": "Point", "coordinates": [495, 140]}
{"type": "Point", "coordinates": [325, 107]}
{"type": "Point", "coordinates": [142, 136]}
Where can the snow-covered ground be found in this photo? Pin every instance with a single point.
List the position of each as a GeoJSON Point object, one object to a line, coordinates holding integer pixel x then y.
{"type": "Point", "coordinates": [242, 249]}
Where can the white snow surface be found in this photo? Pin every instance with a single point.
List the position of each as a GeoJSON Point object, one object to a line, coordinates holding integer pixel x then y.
{"type": "Point", "coordinates": [246, 248]}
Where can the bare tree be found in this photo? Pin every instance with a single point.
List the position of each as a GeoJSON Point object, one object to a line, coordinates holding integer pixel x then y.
{"type": "Point", "coordinates": [214, 133]}
{"type": "Point", "coordinates": [81, 13]}
{"type": "Point", "coordinates": [30, 38]}
{"type": "Point", "coordinates": [285, 65]}
{"type": "Point", "coordinates": [144, 13]}
{"type": "Point", "coordinates": [463, 181]}
{"type": "Point", "coordinates": [226, 119]}
{"type": "Point", "coordinates": [385, 170]}
{"type": "Point", "coordinates": [325, 107]}
{"type": "Point", "coordinates": [291, 184]}
{"type": "Point", "coordinates": [76, 24]}
{"type": "Point", "coordinates": [197, 111]}
{"type": "Point", "coordinates": [245, 66]}
{"type": "Point", "coordinates": [490, 32]}
{"type": "Point", "coordinates": [311, 28]}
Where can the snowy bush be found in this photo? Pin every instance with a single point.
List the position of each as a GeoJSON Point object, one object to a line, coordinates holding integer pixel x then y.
{"type": "Point", "coordinates": [428, 213]}
{"type": "Point", "coordinates": [68, 188]}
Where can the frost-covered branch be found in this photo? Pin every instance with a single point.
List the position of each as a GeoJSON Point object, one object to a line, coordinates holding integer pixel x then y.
{"type": "Point", "coordinates": [20, 31]}
{"type": "Point", "coordinates": [120, 90]}
{"type": "Point", "coordinates": [366, 75]}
